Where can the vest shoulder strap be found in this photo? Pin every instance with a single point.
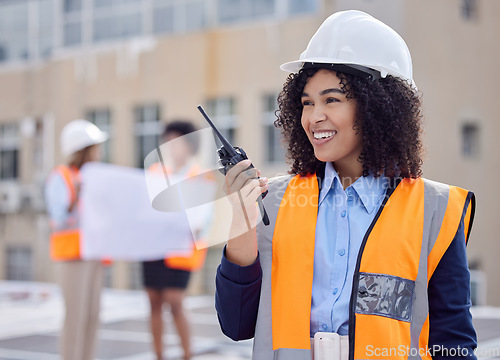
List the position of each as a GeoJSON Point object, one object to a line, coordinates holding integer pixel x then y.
{"type": "Point", "coordinates": [68, 176]}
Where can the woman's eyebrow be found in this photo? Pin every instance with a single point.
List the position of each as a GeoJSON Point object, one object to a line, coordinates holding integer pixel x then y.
{"type": "Point", "coordinates": [326, 91]}
{"type": "Point", "coordinates": [332, 90]}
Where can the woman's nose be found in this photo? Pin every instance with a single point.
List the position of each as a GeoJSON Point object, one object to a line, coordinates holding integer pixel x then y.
{"type": "Point", "coordinates": [318, 114]}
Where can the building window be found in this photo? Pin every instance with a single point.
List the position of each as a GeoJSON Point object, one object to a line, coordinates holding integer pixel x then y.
{"type": "Point", "coordinates": [179, 15]}
{"type": "Point", "coordinates": [469, 9]}
{"type": "Point", "coordinates": [14, 31]}
{"type": "Point", "coordinates": [72, 23]}
{"type": "Point", "coordinates": [9, 151]}
{"type": "Point", "coordinates": [163, 17]}
{"type": "Point", "coordinates": [18, 263]}
{"type": "Point", "coordinates": [19, 20]}
{"type": "Point", "coordinates": [470, 140]}
{"type": "Point", "coordinates": [72, 31]}
{"type": "Point", "coordinates": [102, 118]}
{"type": "Point", "coordinates": [45, 27]}
{"type": "Point", "coordinates": [72, 5]}
{"type": "Point", "coordinates": [232, 11]}
{"type": "Point", "coordinates": [147, 131]}
{"type": "Point", "coordinates": [117, 19]}
{"type": "Point", "coordinates": [296, 7]}
{"type": "Point", "coordinates": [274, 147]}
{"type": "Point", "coordinates": [223, 113]}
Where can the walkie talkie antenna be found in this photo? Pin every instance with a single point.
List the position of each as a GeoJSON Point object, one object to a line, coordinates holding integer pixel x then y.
{"type": "Point", "coordinates": [230, 156]}
{"type": "Point", "coordinates": [225, 143]}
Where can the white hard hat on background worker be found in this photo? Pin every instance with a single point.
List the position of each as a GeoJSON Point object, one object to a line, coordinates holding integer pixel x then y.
{"type": "Point", "coordinates": [358, 43]}
{"type": "Point", "coordinates": [78, 134]}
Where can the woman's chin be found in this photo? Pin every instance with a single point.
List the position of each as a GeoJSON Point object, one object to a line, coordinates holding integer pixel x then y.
{"type": "Point", "coordinates": [323, 157]}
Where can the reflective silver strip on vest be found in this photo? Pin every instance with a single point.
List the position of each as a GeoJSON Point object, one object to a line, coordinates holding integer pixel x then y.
{"type": "Point", "coordinates": [435, 202]}
{"type": "Point", "coordinates": [385, 295]}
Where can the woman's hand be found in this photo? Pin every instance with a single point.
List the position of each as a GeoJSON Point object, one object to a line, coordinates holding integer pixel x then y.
{"type": "Point", "coordinates": [243, 186]}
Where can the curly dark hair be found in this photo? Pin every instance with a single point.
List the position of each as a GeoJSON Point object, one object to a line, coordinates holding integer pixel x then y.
{"type": "Point", "coordinates": [388, 112]}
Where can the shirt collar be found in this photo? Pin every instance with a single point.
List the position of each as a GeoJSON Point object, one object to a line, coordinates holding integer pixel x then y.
{"type": "Point", "coordinates": [327, 181]}
{"type": "Point", "coordinates": [369, 190]}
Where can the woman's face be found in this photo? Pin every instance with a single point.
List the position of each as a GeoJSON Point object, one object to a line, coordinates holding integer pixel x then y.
{"type": "Point", "coordinates": [95, 153]}
{"type": "Point", "coordinates": [328, 119]}
{"type": "Point", "coordinates": [179, 148]}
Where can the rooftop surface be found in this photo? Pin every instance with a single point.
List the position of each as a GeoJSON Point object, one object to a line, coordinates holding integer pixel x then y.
{"type": "Point", "coordinates": [31, 314]}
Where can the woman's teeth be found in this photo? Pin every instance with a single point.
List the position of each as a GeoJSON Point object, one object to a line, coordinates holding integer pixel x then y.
{"type": "Point", "coordinates": [324, 134]}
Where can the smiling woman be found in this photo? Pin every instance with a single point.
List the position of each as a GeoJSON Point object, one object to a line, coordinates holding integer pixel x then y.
{"type": "Point", "coordinates": [361, 252]}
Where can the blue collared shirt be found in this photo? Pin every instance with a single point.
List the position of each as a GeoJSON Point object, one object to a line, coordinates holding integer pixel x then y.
{"type": "Point", "coordinates": [57, 199]}
{"type": "Point", "coordinates": [343, 219]}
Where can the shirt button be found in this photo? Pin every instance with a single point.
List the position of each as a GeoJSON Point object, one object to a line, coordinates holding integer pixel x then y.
{"type": "Point", "coordinates": [335, 291]}
{"type": "Point", "coordinates": [324, 326]}
{"type": "Point", "coordinates": [343, 213]}
{"type": "Point", "coordinates": [342, 252]}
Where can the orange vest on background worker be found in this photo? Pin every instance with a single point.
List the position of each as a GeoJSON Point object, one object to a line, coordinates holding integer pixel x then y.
{"type": "Point", "coordinates": [191, 262]}
{"type": "Point", "coordinates": [65, 238]}
{"type": "Point", "coordinates": [414, 227]}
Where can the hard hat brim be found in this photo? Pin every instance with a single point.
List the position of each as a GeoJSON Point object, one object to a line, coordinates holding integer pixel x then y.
{"type": "Point", "coordinates": [99, 139]}
{"type": "Point", "coordinates": [295, 66]}
{"type": "Point", "coordinates": [292, 66]}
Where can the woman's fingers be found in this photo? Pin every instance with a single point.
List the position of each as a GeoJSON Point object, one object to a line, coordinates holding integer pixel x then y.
{"type": "Point", "coordinates": [243, 186]}
{"type": "Point", "coordinates": [249, 187]}
{"type": "Point", "coordinates": [239, 176]}
{"type": "Point", "coordinates": [235, 171]}
{"type": "Point", "coordinates": [264, 184]}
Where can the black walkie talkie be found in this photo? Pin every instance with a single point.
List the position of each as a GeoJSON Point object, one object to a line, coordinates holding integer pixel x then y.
{"type": "Point", "coordinates": [230, 156]}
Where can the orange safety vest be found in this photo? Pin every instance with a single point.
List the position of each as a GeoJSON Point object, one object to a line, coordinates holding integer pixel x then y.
{"type": "Point", "coordinates": [412, 230]}
{"type": "Point", "coordinates": [195, 260]}
{"type": "Point", "coordinates": [191, 262]}
{"type": "Point", "coordinates": [65, 239]}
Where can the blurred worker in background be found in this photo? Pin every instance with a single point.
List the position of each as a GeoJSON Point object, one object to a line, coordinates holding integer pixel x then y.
{"type": "Point", "coordinates": [166, 280]}
{"type": "Point", "coordinates": [80, 280]}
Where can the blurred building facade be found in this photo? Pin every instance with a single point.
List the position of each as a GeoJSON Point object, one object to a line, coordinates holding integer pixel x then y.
{"type": "Point", "coordinates": [128, 65]}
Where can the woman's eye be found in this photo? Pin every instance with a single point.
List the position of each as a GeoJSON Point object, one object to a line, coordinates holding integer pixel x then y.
{"type": "Point", "coordinates": [306, 102]}
{"type": "Point", "coordinates": [331, 100]}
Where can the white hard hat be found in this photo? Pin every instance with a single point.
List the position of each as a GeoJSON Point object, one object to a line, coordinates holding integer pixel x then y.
{"type": "Point", "coordinates": [357, 40]}
{"type": "Point", "coordinates": [78, 134]}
